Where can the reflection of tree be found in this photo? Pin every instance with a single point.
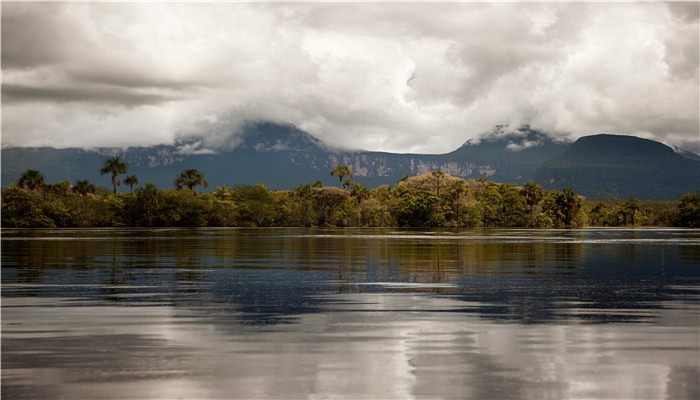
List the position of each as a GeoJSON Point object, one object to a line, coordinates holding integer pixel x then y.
{"type": "Point", "coordinates": [115, 279]}
{"type": "Point", "coordinates": [29, 263]}
{"type": "Point", "coordinates": [443, 259]}
{"type": "Point", "coordinates": [189, 280]}
{"type": "Point", "coordinates": [271, 273]}
{"type": "Point", "coordinates": [689, 254]}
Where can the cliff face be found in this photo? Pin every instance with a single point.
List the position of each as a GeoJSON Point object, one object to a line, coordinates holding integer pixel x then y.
{"type": "Point", "coordinates": [283, 157]}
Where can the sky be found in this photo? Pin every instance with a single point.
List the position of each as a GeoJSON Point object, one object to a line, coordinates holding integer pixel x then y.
{"type": "Point", "coordinates": [405, 77]}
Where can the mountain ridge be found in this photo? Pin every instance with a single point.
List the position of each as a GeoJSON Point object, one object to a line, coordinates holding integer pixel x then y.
{"type": "Point", "coordinates": [282, 156]}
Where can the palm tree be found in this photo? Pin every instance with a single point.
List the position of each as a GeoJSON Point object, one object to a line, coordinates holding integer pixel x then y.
{"type": "Point", "coordinates": [190, 178]}
{"type": "Point", "coordinates": [131, 180]}
{"type": "Point", "coordinates": [84, 187]}
{"type": "Point", "coordinates": [341, 171]}
{"type": "Point", "coordinates": [32, 179]}
{"type": "Point", "coordinates": [114, 166]}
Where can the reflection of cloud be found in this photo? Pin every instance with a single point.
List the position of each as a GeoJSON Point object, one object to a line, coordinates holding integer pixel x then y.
{"type": "Point", "coordinates": [363, 346]}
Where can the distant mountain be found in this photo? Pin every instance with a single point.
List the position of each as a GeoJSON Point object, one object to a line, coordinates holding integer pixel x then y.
{"type": "Point", "coordinates": [281, 156]}
{"type": "Point", "coordinates": [622, 166]}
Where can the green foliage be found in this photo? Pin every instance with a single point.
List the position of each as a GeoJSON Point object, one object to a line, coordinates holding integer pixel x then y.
{"type": "Point", "coordinates": [618, 212]}
{"type": "Point", "coordinates": [417, 208]}
{"type": "Point", "coordinates": [296, 206]}
{"type": "Point", "coordinates": [562, 209]}
{"type": "Point", "coordinates": [431, 199]}
{"type": "Point", "coordinates": [689, 211]}
{"type": "Point", "coordinates": [184, 208]}
{"type": "Point", "coordinates": [331, 207]}
{"type": "Point", "coordinates": [629, 211]}
{"type": "Point", "coordinates": [84, 187]}
{"type": "Point", "coordinates": [533, 197]}
{"type": "Point", "coordinates": [146, 206]}
{"type": "Point", "coordinates": [255, 205]}
{"type": "Point", "coordinates": [374, 212]}
{"type": "Point", "coordinates": [569, 204]}
{"type": "Point", "coordinates": [221, 212]}
{"type": "Point", "coordinates": [22, 209]}
{"type": "Point", "coordinates": [88, 210]}
{"type": "Point", "coordinates": [503, 206]}
{"type": "Point", "coordinates": [32, 179]}
{"type": "Point", "coordinates": [59, 189]}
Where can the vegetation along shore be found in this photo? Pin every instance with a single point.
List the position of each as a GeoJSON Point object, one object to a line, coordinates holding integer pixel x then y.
{"type": "Point", "coordinates": [433, 199]}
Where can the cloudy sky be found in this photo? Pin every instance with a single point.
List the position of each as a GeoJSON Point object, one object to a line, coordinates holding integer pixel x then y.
{"type": "Point", "coordinates": [394, 77]}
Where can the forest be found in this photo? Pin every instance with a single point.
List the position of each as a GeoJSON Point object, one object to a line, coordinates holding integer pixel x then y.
{"type": "Point", "coordinates": [433, 199]}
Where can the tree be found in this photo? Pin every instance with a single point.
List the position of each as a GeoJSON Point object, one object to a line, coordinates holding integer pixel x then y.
{"type": "Point", "coordinates": [629, 210]}
{"type": "Point", "coordinates": [115, 167]}
{"type": "Point", "coordinates": [598, 215]}
{"type": "Point", "coordinates": [148, 198]}
{"type": "Point", "coordinates": [84, 187]}
{"type": "Point", "coordinates": [190, 178]}
{"type": "Point", "coordinates": [438, 174]}
{"type": "Point", "coordinates": [23, 209]}
{"type": "Point", "coordinates": [569, 204]}
{"type": "Point", "coordinates": [131, 180]}
{"type": "Point", "coordinates": [688, 213]}
{"type": "Point", "coordinates": [341, 171]}
{"type": "Point", "coordinates": [533, 196]}
{"type": "Point", "coordinates": [417, 208]}
{"type": "Point", "coordinates": [328, 200]}
{"type": "Point", "coordinates": [255, 205]}
{"type": "Point", "coordinates": [31, 179]}
{"type": "Point", "coordinates": [357, 190]}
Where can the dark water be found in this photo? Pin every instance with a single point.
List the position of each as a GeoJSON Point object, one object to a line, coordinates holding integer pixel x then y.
{"type": "Point", "coordinates": [353, 313]}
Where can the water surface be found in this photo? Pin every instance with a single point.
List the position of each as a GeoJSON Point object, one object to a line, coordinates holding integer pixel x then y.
{"type": "Point", "coordinates": [350, 313]}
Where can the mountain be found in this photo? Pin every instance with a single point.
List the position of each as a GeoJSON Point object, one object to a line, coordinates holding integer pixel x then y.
{"type": "Point", "coordinates": [622, 166]}
{"type": "Point", "coordinates": [281, 156]}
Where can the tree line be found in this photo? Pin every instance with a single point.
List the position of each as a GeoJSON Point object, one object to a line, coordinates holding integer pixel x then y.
{"type": "Point", "coordinates": [433, 199]}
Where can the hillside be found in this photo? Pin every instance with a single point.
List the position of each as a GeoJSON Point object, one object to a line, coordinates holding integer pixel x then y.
{"type": "Point", "coordinates": [603, 166]}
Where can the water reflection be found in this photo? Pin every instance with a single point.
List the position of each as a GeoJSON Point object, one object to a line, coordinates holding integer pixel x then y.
{"type": "Point", "coordinates": [251, 313]}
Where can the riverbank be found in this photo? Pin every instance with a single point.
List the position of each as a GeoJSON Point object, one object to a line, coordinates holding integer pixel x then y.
{"type": "Point", "coordinates": [428, 200]}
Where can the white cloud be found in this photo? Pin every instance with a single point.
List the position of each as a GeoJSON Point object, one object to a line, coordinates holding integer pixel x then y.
{"type": "Point", "coordinates": [397, 77]}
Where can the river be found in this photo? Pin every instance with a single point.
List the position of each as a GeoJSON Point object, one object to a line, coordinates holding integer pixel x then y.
{"type": "Point", "coordinates": [350, 313]}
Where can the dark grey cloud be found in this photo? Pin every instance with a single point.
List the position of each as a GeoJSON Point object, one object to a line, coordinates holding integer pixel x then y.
{"type": "Point", "coordinates": [115, 75]}
{"type": "Point", "coordinates": [74, 94]}
{"type": "Point", "coordinates": [687, 10]}
{"type": "Point", "coordinates": [37, 34]}
{"type": "Point", "coordinates": [398, 77]}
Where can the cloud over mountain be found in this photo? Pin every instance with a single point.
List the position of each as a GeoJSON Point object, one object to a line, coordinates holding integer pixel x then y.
{"type": "Point", "coordinates": [399, 77]}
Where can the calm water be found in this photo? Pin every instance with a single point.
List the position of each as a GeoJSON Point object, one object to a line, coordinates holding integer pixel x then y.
{"type": "Point", "coordinates": [350, 313]}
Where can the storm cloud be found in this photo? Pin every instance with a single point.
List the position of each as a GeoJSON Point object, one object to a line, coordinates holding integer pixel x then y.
{"type": "Point", "coordinates": [396, 77]}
